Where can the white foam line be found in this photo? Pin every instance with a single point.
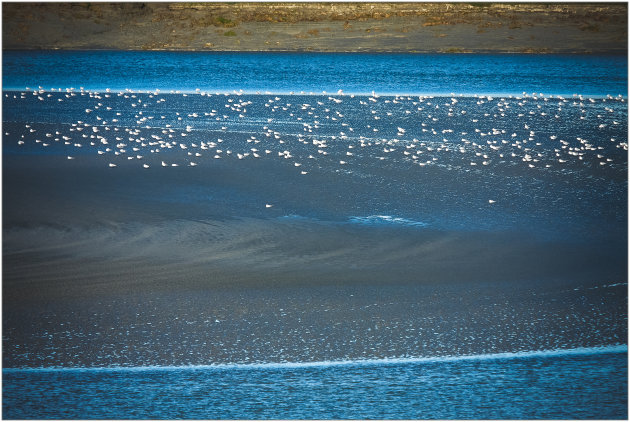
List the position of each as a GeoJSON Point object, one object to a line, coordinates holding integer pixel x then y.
{"type": "Point", "coordinates": [580, 351]}
{"type": "Point", "coordinates": [389, 220]}
{"type": "Point", "coordinates": [298, 92]}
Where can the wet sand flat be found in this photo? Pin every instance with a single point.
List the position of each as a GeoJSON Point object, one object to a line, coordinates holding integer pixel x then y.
{"type": "Point", "coordinates": [96, 282]}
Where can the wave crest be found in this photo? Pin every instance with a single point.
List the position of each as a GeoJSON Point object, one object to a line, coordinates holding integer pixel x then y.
{"type": "Point", "coordinates": [377, 220]}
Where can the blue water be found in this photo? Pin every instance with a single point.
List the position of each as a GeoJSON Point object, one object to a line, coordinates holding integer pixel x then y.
{"type": "Point", "coordinates": [308, 72]}
{"type": "Point", "coordinates": [546, 175]}
{"type": "Point", "coordinates": [586, 384]}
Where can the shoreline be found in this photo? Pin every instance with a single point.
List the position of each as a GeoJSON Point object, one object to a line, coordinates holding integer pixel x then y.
{"type": "Point", "coordinates": [415, 52]}
{"type": "Point", "coordinates": [505, 28]}
{"type": "Point", "coordinates": [384, 52]}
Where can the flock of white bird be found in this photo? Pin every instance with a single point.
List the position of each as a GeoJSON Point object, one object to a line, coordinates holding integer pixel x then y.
{"type": "Point", "coordinates": [422, 130]}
